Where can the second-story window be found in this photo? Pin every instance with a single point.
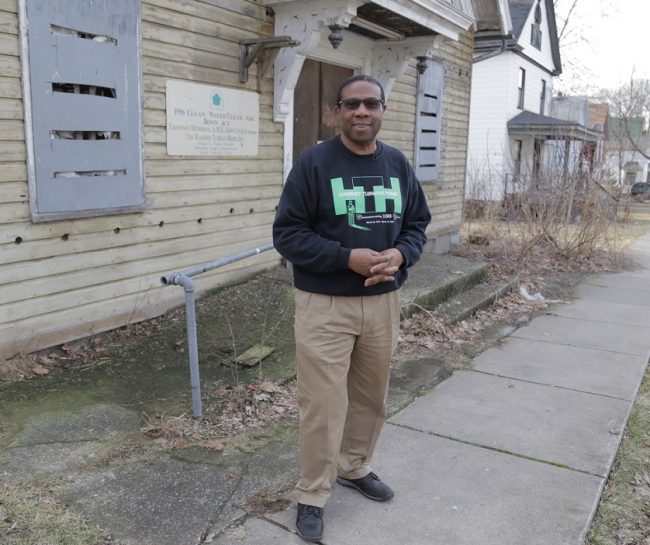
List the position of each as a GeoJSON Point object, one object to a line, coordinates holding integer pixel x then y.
{"type": "Point", "coordinates": [542, 98]}
{"type": "Point", "coordinates": [522, 88]}
{"type": "Point", "coordinates": [536, 28]}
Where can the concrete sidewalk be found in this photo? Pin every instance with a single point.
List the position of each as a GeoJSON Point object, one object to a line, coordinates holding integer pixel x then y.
{"type": "Point", "coordinates": [515, 451]}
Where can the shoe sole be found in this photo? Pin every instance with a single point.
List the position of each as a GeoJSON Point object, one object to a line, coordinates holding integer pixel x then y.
{"type": "Point", "coordinates": [349, 484]}
{"type": "Point", "coordinates": [309, 539]}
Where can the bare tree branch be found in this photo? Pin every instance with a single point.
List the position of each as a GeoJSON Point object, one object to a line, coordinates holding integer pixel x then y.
{"type": "Point", "coordinates": [567, 19]}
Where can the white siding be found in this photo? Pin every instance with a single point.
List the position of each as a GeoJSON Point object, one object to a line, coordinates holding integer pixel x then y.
{"type": "Point", "coordinates": [545, 55]}
{"type": "Point", "coordinates": [494, 91]}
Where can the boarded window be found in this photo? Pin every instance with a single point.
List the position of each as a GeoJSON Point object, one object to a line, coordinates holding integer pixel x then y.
{"type": "Point", "coordinates": [428, 123]}
{"type": "Point", "coordinates": [83, 107]}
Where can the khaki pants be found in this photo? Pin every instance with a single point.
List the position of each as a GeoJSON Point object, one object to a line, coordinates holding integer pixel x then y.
{"type": "Point", "coordinates": [344, 347]}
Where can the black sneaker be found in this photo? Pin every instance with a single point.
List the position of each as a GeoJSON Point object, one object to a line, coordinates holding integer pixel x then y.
{"type": "Point", "coordinates": [370, 486]}
{"type": "Point", "coordinates": [309, 522]}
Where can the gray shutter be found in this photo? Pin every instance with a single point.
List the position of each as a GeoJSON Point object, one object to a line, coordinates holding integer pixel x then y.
{"type": "Point", "coordinates": [428, 123]}
{"type": "Point", "coordinates": [86, 117]}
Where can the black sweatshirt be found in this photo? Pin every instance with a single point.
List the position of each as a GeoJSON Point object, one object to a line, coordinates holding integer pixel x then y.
{"type": "Point", "coordinates": [335, 200]}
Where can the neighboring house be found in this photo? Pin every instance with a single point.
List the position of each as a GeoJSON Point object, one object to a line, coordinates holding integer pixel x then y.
{"type": "Point", "coordinates": [623, 159]}
{"type": "Point", "coordinates": [599, 114]}
{"type": "Point", "coordinates": [514, 135]}
{"type": "Point", "coordinates": [141, 137]}
{"type": "Point", "coordinates": [582, 154]}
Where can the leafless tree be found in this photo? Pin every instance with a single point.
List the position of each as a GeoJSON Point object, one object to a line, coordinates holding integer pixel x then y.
{"type": "Point", "coordinates": [630, 104]}
{"type": "Point", "coordinates": [574, 32]}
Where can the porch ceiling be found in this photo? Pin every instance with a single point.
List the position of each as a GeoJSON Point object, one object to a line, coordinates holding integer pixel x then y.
{"type": "Point", "coordinates": [550, 128]}
{"type": "Point", "coordinates": [386, 18]}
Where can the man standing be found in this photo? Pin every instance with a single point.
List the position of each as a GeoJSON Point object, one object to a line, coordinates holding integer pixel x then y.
{"type": "Point", "coordinates": [351, 219]}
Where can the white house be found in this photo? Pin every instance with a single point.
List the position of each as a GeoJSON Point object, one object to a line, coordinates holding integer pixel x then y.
{"type": "Point", "coordinates": [511, 123]}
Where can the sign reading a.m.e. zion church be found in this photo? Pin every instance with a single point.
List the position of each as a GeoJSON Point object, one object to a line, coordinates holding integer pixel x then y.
{"type": "Point", "coordinates": [211, 121]}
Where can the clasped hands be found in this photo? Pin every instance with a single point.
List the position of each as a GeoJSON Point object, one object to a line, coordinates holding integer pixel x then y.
{"type": "Point", "coordinates": [375, 266]}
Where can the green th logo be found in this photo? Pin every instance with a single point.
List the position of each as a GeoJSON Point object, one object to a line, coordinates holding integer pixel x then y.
{"type": "Point", "coordinates": [365, 196]}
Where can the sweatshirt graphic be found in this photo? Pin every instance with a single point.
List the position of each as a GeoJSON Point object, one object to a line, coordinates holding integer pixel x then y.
{"type": "Point", "coordinates": [367, 200]}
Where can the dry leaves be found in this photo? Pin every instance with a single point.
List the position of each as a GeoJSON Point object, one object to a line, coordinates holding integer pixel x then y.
{"type": "Point", "coordinates": [428, 329]}
{"type": "Point", "coordinates": [228, 411]}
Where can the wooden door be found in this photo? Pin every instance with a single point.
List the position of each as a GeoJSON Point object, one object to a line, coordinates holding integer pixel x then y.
{"type": "Point", "coordinates": [313, 103]}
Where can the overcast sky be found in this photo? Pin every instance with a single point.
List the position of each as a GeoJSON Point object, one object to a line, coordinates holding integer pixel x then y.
{"type": "Point", "coordinates": [606, 41]}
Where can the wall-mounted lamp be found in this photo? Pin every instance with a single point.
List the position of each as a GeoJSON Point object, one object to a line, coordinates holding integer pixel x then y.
{"type": "Point", "coordinates": [335, 37]}
{"type": "Point", "coordinates": [422, 64]}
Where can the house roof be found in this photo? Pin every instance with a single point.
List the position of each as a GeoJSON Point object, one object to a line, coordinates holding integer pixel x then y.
{"type": "Point", "coordinates": [519, 10]}
{"type": "Point", "coordinates": [487, 43]}
{"type": "Point", "coordinates": [634, 126]}
{"type": "Point", "coordinates": [571, 108]}
{"type": "Point", "coordinates": [549, 128]}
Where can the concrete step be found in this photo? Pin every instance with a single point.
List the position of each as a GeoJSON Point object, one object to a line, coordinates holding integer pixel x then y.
{"type": "Point", "coordinates": [437, 278]}
{"type": "Point", "coordinates": [454, 286]}
{"type": "Point", "coordinates": [482, 295]}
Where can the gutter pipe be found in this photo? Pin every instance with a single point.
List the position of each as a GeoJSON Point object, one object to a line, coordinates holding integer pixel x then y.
{"type": "Point", "coordinates": [505, 42]}
{"type": "Point", "coordinates": [184, 279]}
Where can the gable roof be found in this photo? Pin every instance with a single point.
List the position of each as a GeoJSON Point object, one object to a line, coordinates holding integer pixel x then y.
{"type": "Point", "coordinates": [519, 12]}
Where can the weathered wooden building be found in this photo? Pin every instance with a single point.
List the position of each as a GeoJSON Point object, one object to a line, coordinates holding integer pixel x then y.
{"type": "Point", "coordinates": [144, 136]}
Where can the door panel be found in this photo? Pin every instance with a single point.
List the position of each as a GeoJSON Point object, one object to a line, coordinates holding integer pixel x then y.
{"type": "Point", "coordinates": [313, 103]}
{"type": "Point", "coordinates": [306, 117]}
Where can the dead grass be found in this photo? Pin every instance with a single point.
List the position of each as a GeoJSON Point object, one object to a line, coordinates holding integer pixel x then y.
{"type": "Point", "coordinates": [29, 515]}
{"type": "Point", "coordinates": [623, 516]}
{"type": "Point", "coordinates": [228, 412]}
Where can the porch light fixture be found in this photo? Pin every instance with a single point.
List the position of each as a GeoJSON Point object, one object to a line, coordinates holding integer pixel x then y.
{"type": "Point", "coordinates": [386, 32]}
{"type": "Point", "coordinates": [335, 37]}
{"type": "Point", "coordinates": [422, 64]}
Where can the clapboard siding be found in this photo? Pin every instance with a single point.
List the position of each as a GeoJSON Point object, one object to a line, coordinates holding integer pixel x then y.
{"type": "Point", "coordinates": [197, 209]}
{"type": "Point", "coordinates": [57, 326]}
{"type": "Point", "coordinates": [71, 278]}
{"type": "Point", "coordinates": [446, 195]}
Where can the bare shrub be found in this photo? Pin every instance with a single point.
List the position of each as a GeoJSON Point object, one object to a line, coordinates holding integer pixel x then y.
{"type": "Point", "coordinates": [565, 217]}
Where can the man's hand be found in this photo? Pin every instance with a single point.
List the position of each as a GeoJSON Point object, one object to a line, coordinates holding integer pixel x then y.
{"type": "Point", "coordinates": [376, 266]}
{"type": "Point", "coordinates": [363, 260]}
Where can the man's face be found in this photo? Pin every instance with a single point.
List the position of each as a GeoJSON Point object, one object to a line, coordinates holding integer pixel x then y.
{"type": "Point", "coordinates": [360, 121]}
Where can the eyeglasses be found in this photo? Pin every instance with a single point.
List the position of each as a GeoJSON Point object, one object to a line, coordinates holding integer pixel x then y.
{"type": "Point", "coordinates": [351, 104]}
